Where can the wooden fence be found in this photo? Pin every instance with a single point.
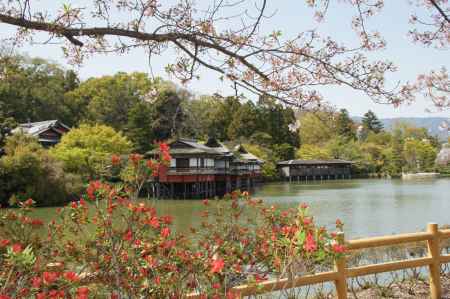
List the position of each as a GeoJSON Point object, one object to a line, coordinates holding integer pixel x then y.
{"type": "Point", "coordinates": [432, 236]}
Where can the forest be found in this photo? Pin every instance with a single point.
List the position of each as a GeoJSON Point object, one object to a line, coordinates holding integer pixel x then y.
{"type": "Point", "coordinates": [129, 112]}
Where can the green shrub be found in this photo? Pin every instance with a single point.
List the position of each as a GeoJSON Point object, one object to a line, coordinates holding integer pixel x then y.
{"type": "Point", "coordinates": [28, 171]}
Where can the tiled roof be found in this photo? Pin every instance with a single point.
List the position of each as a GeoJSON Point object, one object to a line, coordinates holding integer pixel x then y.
{"type": "Point", "coordinates": [314, 162]}
{"type": "Point", "coordinates": [36, 128]}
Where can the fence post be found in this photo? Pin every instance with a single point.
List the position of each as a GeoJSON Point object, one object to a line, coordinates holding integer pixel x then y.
{"type": "Point", "coordinates": [341, 268]}
{"type": "Point", "coordinates": [434, 252]}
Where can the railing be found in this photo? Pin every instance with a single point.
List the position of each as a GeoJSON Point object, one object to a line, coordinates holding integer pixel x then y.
{"type": "Point", "coordinates": [341, 272]}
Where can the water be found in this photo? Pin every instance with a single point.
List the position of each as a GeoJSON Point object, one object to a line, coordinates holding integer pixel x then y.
{"type": "Point", "coordinates": [367, 207]}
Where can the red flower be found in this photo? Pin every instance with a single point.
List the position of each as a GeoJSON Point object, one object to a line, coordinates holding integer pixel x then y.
{"type": "Point", "coordinates": [115, 160]}
{"type": "Point", "coordinates": [17, 248]}
{"type": "Point", "coordinates": [166, 219]}
{"type": "Point", "coordinates": [37, 222]}
{"type": "Point", "coordinates": [216, 286]}
{"type": "Point", "coordinates": [205, 202]}
{"type": "Point", "coordinates": [4, 297]}
{"type": "Point", "coordinates": [41, 295]}
{"type": "Point", "coordinates": [128, 236]}
{"type": "Point", "coordinates": [157, 280]}
{"type": "Point", "coordinates": [82, 293]}
{"type": "Point", "coordinates": [50, 277]}
{"type": "Point", "coordinates": [304, 206]}
{"type": "Point", "coordinates": [36, 282]}
{"type": "Point", "coordinates": [135, 158]}
{"type": "Point", "coordinates": [165, 232]}
{"type": "Point", "coordinates": [310, 244]}
{"type": "Point", "coordinates": [4, 243]}
{"type": "Point", "coordinates": [28, 203]}
{"type": "Point", "coordinates": [217, 265]}
{"type": "Point", "coordinates": [154, 222]}
{"type": "Point", "coordinates": [307, 221]}
{"type": "Point", "coordinates": [338, 248]}
{"type": "Point", "coordinates": [74, 204]}
{"type": "Point", "coordinates": [71, 276]}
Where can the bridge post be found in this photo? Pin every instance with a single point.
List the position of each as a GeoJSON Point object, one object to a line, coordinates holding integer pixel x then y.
{"type": "Point", "coordinates": [341, 268]}
{"type": "Point", "coordinates": [434, 252]}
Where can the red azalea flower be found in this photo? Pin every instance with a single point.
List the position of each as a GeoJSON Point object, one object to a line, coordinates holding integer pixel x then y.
{"type": "Point", "coordinates": [166, 219]}
{"type": "Point", "coordinates": [74, 204]}
{"type": "Point", "coordinates": [205, 201]}
{"type": "Point", "coordinates": [4, 297]}
{"type": "Point", "coordinates": [4, 242]}
{"type": "Point", "coordinates": [115, 160]}
{"type": "Point", "coordinates": [17, 248]}
{"type": "Point", "coordinates": [154, 222]}
{"type": "Point", "coordinates": [36, 282]}
{"type": "Point", "coordinates": [128, 236]}
{"type": "Point", "coordinates": [41, 295]}
{"type": "Point", "coordinates": [28, 203]}
{"type": "Point", "coordinates": [165, 232]}
{"type": "Point", "coordinates": [216, 286]}
{"type": "Point", "coordinates": [36, 222]}
{"type": "Point", "coordinates": [310, 244]}
{"type": "Point", "coordinates": [307, 221]}
{"type": "Point", "coordinates": [157, 280]}
{"type": "Point", "coordinates": [217, 265]}
{"type": "Point", "coordinates": [82, 293]}
{"type": "Point", "coordinates": [71, 276]}
{"type": "Point", "coordinates": [50, 277]}
{"type": "Point", "coordinates": [338, 248]}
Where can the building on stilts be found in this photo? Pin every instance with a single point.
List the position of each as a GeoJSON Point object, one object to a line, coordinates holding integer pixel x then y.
{"type": "Point", "coordinates": [205, 170]}
{"type": "Point", "coordinates": [304, 170]}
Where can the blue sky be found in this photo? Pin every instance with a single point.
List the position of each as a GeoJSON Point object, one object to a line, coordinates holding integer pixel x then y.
{"type": "Point", "coordinates": [291, 17]}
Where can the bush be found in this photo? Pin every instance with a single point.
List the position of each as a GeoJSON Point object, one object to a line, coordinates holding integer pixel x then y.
{"type": "Point", "coordinates": [124, 249]}
{"type": "Point", "coordinates": [27, 171]}
{"type": "Point", "coordinates": [86, 150]}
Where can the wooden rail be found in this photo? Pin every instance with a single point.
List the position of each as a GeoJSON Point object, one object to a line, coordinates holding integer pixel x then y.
{"type": "Point", "coordinates": [341, 272]}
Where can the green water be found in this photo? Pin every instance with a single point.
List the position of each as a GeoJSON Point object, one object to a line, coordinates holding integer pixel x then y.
{"type": "Point", "coordinates": [367, 207]}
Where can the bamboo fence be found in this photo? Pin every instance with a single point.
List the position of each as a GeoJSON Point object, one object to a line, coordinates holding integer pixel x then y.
{"type": "Point", "coordinates": [433, 236]}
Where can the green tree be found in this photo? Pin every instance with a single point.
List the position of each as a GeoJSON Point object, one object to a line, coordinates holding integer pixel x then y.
{"type": "Point", "coordinates": [28, 171]}
{"type": "Point", "coordinates": [316, 128]}
{"type": "Point", "coordinates": [108, 99]}
{"type": "Point", "coordinates": [311, 152]}
{"type": "Point", "coordinates": [33, 89]}
{"type": "Point", "coordinates": [419, 155]}
{"type": "Point", "coordinates": [6, 126]}
{"type": "Point", "coordinates": [87, 149]}
{"type": "Point", "coordinates": [345, 125]}
{"type": "Point", "coordinates": [244, 122]}
{"type": "Point", "coordinates": [371, 122]}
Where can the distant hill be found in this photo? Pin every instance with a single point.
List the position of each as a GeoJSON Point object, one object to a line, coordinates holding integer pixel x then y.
{"type": "Point", "coordinates": [432, 124]}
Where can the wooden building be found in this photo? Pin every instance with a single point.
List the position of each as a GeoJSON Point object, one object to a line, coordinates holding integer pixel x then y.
{"type": "Point", "coordinates": [315, 169]}
{"type": "Point", "coordinates": [200, 170]}
{"type": "Point", "coordinates": [47, 132]}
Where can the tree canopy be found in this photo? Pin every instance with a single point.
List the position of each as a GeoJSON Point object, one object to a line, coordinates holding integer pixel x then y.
{"type": "Point", "coordinates": [289, 69]}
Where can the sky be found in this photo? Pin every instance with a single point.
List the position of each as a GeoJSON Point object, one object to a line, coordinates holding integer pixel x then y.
{"type": "Point", "coordinates": [291, 17]}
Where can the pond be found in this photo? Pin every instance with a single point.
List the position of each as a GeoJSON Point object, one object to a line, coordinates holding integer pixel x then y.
{"type": "Point", "coordinates": [368, 207]}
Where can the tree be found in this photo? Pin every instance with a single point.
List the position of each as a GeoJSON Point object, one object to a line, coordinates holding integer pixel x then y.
{"type": "Point", "coordinates": [33, 89]}
{"type": "Point", "coordinates": [245, 121]}
{"type": "Point", "coordinates": [316, 128]}
{"type": "Point", "coordinates": [288, 69]}
{"type": "Point", "coordinates": [108, 99]}
{"type": "Point", "coordinates": [312, 152]}
{"type": "Point", "coordinates": [371, 122]}
{"type": "Point", "coordinates": [419, 155]}
{"type": "Point", "coordinates": [6, 126]}
{"type": "Point", "coordinates": [28, 171]}
{"type": "Point", "coordinates": [86, 150]}
{"type": "Point", "coordinates": [345, 125]}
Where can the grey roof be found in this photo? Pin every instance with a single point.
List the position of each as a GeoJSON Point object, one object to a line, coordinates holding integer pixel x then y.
{"type": "Point", "coordinates": [194, 147]}
{"type": "Point", "coordinates": [314, 162]}
{"type": "Point", "coordinates": [36, 128]}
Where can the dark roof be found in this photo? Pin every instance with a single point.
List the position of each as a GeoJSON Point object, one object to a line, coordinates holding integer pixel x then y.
{"type": "Point", "coordinates": [184, 146]}
{"type": "Point", "coordinates": [36, 128]}
{"type": "Point", "coordinates": [314, 162]}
